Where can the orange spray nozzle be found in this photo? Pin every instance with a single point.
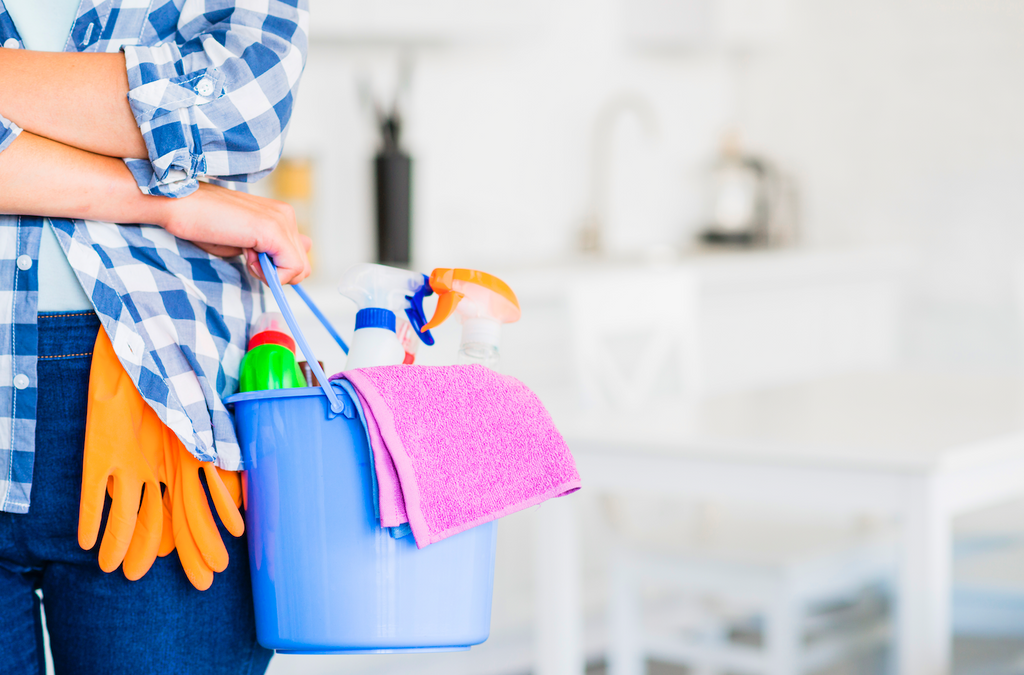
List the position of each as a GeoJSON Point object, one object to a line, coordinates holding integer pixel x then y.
{"type": "Point", "coordinates": [452, 285]}
{"type": "Point", "coordinates": [446, 304]}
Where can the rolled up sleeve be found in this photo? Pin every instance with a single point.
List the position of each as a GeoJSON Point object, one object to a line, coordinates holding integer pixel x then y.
{"type": "Point", "coordinates": [216, 100]}
{"type": "Point", "coordinates": [8, 132]}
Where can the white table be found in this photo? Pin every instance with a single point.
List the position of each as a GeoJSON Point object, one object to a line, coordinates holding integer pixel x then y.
{"type": "Point", "coordinates": [921, 447]}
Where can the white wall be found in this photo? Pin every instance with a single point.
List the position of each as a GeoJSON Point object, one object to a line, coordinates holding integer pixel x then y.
{"type": "Point", "coordinates": [901, 121]}
{"type": "Point", "coordinates": [501, 136]}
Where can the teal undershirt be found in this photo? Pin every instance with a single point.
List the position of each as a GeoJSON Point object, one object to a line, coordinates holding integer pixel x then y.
{"type": "Point", "coordinates": [44, 26]}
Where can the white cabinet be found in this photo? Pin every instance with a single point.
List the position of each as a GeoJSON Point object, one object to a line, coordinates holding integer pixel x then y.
{"type": "Point", "coordinates": [704, 23]}
{"type": "Point", "coordinates": [721, 323]}
{"type": "Point", "coordinates": [420, 21]}
{"type": "Point", "coordinates": [795, 318]}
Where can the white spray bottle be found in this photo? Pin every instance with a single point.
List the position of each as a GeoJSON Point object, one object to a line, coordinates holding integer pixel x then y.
{"type": "Point", "coordinates": [381, 292]}
{"type": "Point", "coordinates": [484, 302]}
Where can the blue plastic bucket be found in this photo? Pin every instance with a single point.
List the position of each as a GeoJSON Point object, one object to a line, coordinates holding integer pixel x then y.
{"type": "Point", "coordinates": [326, 577]}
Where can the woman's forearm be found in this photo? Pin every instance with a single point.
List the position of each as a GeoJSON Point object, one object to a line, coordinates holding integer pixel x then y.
{"type": "Point", "coordinates": [79, 100]}
{"type": "Point", "coordinates": [41, 177]}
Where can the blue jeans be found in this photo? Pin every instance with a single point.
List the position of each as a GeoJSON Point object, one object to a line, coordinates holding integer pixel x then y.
{"type": "Point", "coordinates": [97, 622]}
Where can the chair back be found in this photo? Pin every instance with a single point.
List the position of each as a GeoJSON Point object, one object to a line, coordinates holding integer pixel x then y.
{"type": "Point", "coordinates": [634, 341]}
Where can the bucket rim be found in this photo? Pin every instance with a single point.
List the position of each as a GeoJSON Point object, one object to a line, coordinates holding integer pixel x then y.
{"type": "Point", "coordinates": [293, 392]}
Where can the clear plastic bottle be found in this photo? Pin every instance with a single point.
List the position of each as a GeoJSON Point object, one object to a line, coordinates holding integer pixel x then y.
{"type": "Point", "coordinates": [480, 342]}
{"type": "Point", "coordinates": [478, 352]}
{"type": "Point", "coordinates": [483, 302]}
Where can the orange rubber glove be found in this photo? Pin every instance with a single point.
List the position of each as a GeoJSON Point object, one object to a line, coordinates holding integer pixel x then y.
{"type": "Point", "coordinates": [200, 547]}
{"type": "Point", "coordinates": [233, 482]}
{"type": "Point", "coordinates": [126, 440]}
{"type": "Point", "coordinates": [116, 460]}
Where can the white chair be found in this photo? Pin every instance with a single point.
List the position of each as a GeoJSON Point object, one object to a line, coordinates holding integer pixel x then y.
{"type": "Point", "coordinates": [633, 338]}
{"type": "Point", "coordinates": [749, 595]}
{"type": "Point", "coordinates": [988, 573]}
{"type": "Point", "coordinates": [746, 603]}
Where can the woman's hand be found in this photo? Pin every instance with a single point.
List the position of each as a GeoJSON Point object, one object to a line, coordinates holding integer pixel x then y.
{"type": "Point", "coordinates": [225, 223]}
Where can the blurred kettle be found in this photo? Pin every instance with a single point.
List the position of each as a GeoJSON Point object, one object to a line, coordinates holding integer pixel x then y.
{"type": "Point", "coordinates": [752, 203]}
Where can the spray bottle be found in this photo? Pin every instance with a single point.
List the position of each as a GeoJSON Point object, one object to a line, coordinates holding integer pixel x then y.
{"type": "Point", "coordinates": [269, 361]}
{"type": "Point", "coordinates": [381, 293]}
{"type": "Point", "coordinates": [484, 302]}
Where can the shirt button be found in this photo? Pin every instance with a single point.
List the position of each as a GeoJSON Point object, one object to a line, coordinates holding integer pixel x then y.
{"type": "Point", "coordinates": [12, 43]}
{"type": "Point", "coordinates": [21, 380]}
{"type": "Point", "coordinates": [24, 262]}
{"type": "Point", "coordinates": [205, 87]}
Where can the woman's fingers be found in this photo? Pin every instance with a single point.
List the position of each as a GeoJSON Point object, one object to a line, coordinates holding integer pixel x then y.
{"type": "Point", "coordinates": [284, 275]}
{"type": "Point", "coordinates": [252, 259]}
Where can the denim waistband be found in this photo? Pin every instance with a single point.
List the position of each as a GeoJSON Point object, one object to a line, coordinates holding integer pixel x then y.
{"type": "Point", "coordinates": [67, 334]}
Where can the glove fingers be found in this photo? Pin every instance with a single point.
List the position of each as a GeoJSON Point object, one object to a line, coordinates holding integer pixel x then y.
{"type": "Point", "coordinates": [201, 523]}
{"type": "Point", "coordinates": [197, 511]}
{"type": "Point", "coordinates": [147, 535]}
{"type": "Point", "coordinates": [233, 482]}
{"type": "Point", "coordinates": [198, 573]}
{"type": "Point", "coordinates": [169, 477]}
{"type": "Point", "coordinates": [90, 511]}
{"type": "Point", "coordinates": [167, 533]}
{"type": "Point", "coordinates": [224, 497]}
{"type": "Point", "coordinates": [124, 510]}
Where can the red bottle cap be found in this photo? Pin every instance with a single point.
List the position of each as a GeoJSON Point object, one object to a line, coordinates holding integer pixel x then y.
{"type": "Point", "coordinates": [272, 337]}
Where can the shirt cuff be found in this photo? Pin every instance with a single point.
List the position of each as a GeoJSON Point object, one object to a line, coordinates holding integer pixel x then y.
{"type": "Point", "coordinates": [171, 183]}
{"type": "Point", "coordinates": [163, 101]}
{"type": "Point", "coordinates": [8, 132]}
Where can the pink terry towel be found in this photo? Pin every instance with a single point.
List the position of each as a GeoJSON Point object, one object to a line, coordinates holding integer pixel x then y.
{"type": "Point", "coordinates": [458, 446]}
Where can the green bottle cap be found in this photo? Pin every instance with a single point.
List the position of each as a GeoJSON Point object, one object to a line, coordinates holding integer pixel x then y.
{"type": "Point", "coordinates": [270, 366]}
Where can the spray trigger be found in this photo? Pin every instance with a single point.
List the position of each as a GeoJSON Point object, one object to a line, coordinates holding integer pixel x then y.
{"type": "Point", "coordinates": [417, 317]}
{"type": "Point", "coordinates": [446, 304]}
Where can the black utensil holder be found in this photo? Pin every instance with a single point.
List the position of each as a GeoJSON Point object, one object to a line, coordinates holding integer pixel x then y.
{"type": "Point", "coordinates": [393, 174]}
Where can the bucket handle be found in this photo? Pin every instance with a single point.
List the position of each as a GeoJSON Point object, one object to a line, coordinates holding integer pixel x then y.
{"type": "Point", "coordinates": [270, 274]}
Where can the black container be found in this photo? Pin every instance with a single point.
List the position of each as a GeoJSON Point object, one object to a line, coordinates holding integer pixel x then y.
{"type": "Point", "coordinates": [393, 173]}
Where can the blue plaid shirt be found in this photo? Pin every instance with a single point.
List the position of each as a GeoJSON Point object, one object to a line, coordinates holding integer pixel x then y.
{"type": "Point", "coordinates": [212, 85]}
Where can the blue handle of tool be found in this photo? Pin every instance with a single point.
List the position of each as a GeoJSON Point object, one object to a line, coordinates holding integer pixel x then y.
{"type": "Point", "coordinates": [320, 315]}
{"type": "Point", "coordinates": [270, 274]}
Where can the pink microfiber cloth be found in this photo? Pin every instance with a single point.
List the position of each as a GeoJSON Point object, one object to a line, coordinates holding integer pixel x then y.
{"type": "Point", "coordinates": [458, 446]}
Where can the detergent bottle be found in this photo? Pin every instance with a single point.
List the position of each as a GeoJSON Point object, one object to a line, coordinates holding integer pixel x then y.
{"type": "Point", "coordinates": [484, 302]}
{"type": "Point", "coordinates": [269, 361]}
{"type": "Point", "coordinates": [382, 294]}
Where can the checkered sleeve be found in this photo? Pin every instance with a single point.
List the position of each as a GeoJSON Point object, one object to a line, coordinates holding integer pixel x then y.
{"type": "Point", "coordinates": [8, 132]}
{"type": "Point", "coordinates": [215, 98]}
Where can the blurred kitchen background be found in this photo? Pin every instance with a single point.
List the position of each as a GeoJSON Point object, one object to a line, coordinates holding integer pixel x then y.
{"type": "Point", "coordinates": [770, 257]}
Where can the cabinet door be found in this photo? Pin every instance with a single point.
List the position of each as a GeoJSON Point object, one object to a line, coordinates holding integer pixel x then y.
{"type": "Point", "coordinates": [421, 21]}
{"type": "Point", "coordinates": [690, 24]}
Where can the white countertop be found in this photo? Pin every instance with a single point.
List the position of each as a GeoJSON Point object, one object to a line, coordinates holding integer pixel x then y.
{"type": "Point", "coordinates": [715, 268]}
{"type": "Point", "coordinates": [898, 420]}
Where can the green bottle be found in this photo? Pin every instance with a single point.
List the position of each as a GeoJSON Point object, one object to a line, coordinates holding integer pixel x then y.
{"type": "Point", "coordinates": [270, 360]}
